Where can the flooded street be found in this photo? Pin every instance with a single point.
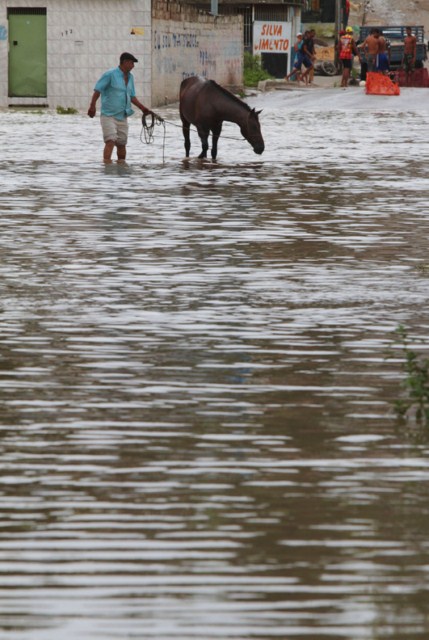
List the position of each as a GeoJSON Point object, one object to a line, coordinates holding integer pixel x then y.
{"type": "Point", "coordinates": [197, 432]}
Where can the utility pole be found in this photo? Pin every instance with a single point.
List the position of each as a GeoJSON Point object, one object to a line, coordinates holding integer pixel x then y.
{"type": "Point", "coordinates": [338, 16]}
{"type": "Point", "coordinates": [338, 26]}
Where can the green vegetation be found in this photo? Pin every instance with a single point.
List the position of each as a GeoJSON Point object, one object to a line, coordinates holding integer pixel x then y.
{"type": "Point", "coordinates": [415, 404]}
{"type": "Point", "coordinates": [66, 111]}
{"type": "Point", "coordinates": [354, 77]}
{"type": "Point", "coordinates": [253, 71]}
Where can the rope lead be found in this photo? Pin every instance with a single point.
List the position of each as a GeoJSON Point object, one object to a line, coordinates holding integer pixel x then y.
{"type": "Point", "coordinates": [148, 130]}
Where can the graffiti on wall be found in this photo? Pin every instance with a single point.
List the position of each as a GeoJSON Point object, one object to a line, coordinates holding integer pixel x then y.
{"type": "Point", "coordinates": [175, 40]}
{"type": "Point", "coordinates": [181, 50]}
{"type": "Point", "coordinates": [207, 63]}
{"type": "Point", "coordinates": [3, 32]}
{"type": "Point", "coordinates": [188, 42]}
{"type": "Point", "coordinates": [194, 59]}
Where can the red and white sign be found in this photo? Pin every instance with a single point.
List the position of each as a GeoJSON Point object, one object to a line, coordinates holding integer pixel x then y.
{"type": "Point", "coordinates": [271, 37]}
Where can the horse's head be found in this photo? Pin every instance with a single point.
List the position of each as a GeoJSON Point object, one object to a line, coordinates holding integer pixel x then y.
{"type": "Point", "coordinates": [252, 131]}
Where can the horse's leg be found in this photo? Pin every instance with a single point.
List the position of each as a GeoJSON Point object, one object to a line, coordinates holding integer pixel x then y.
{"type": "Point", "coordinates": [216, 133]}
{"type": "Point", "coordinates": [185, 128]}
{"type": "Point", "coordinates": [204, 137]}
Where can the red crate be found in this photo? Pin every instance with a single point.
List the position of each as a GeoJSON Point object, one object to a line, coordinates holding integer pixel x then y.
{"type": "Point", "coordinates": [419, 78]}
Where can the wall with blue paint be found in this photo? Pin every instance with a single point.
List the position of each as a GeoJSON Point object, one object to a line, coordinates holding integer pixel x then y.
{"type": "Point", "coordinates": [187, 42]}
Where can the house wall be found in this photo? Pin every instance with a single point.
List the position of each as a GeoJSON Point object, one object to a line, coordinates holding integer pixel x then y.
{"type": "Point", "coordinates": [84, 39]}
{"type": "Point", "coordinates": [186, 42]}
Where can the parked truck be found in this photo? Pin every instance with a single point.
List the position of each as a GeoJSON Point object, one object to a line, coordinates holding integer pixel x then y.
{"type": "Point", "coordinates": [395, 42]}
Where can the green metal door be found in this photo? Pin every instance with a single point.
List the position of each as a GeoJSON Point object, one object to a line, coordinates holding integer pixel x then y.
{"type": "Point", "coordinates": [27, 53]}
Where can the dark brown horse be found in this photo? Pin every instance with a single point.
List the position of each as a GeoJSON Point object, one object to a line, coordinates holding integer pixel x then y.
{"type": "Point", "coordinates": [206, 105]}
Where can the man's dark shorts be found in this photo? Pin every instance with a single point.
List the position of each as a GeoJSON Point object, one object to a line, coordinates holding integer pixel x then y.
{"type": "Point", "coordinates": [371, 59]}
{"type": "Point", "coordinates": [408, 62]}
{"type": "Point", "coordinates": [347, 63]}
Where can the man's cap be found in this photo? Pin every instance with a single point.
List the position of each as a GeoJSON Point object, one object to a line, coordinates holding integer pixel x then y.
{"type": "Point", "coordinates": [298, 34]}
{"type": "Point", "coordinates": [349, 30]}
{"type": "Point", "coordinates": [127, 56]}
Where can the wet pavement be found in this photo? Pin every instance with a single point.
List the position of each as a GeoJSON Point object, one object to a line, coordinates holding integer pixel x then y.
{"type": "Point", "coordinates": [197, 431]}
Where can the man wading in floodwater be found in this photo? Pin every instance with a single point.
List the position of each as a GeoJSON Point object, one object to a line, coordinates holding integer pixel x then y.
{"type": "Point", "coordinates": [117, 91]}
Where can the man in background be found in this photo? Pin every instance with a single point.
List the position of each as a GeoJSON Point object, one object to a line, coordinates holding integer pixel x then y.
{"type": "Point", "coordinates": [383, 61]}
{"type": "Point", "coordinates": [347, 50]}
{"type": "Point", "coordinates": [371, 48]}
{"type": "Point", "coordinates": [410, 52]}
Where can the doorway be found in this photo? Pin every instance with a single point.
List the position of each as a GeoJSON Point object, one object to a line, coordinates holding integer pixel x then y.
{"type": "Point", "coordinates": [27, 53]}
{"type": "Point", "coordinates": [275, 64]}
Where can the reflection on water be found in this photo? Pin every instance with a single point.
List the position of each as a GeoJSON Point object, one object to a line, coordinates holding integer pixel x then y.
{"type": "Point", "coordinates": [197, 438]}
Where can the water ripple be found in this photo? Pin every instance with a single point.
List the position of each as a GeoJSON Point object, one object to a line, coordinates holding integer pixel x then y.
{"type": "Point", "coordinates": [197, 435]}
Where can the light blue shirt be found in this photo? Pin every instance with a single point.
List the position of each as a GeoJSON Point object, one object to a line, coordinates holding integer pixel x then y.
{"type": "Point", "coordinates": [115, 94]}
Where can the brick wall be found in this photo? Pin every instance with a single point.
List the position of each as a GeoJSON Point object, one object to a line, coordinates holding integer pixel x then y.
{"type": "Point", "coordinates": [188, 42]}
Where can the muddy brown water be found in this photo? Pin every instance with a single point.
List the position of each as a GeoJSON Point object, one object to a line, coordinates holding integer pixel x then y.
{"type": "Point", "coordinates": [197, 435]}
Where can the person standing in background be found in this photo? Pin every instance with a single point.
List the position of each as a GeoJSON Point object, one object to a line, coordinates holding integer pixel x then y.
{"type": "Point", "coordinates": [308, 55]}
{"type": "Point", "coordinates": [410, 53]}
{"type": "Point", "coordinates": [347, 50]}
{"type": "Point", "coordinates": [311, 52]}
{"type": "Point", "coordinates": [371, 47]}
{"type": "Point", "coordinates": [297, 63]}
{"type": "Point", "coordinates": [383, 62]}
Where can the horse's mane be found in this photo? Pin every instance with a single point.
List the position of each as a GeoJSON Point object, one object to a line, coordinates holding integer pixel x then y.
{"type": "Point", "coordinates": [230, 95]}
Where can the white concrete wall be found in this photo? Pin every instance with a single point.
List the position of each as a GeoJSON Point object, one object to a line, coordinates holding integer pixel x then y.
{"type": "Point", "coordinates": [85, 38]}
{"type": "Point", "coordinates": [3, 54]}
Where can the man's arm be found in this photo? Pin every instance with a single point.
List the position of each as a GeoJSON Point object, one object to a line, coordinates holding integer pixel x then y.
{"type": "Point", "coordinates": [141, 106]}
{"type": "Point", "coordinates": [355, 50]}
{"type": "Point", "coordinates": [93, 104]}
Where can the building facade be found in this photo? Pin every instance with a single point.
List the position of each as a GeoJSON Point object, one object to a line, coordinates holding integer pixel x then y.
{"type": "Point", "coordinates": [269, 29]}
{"type": "Point", "coordinates": [52, 52]}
